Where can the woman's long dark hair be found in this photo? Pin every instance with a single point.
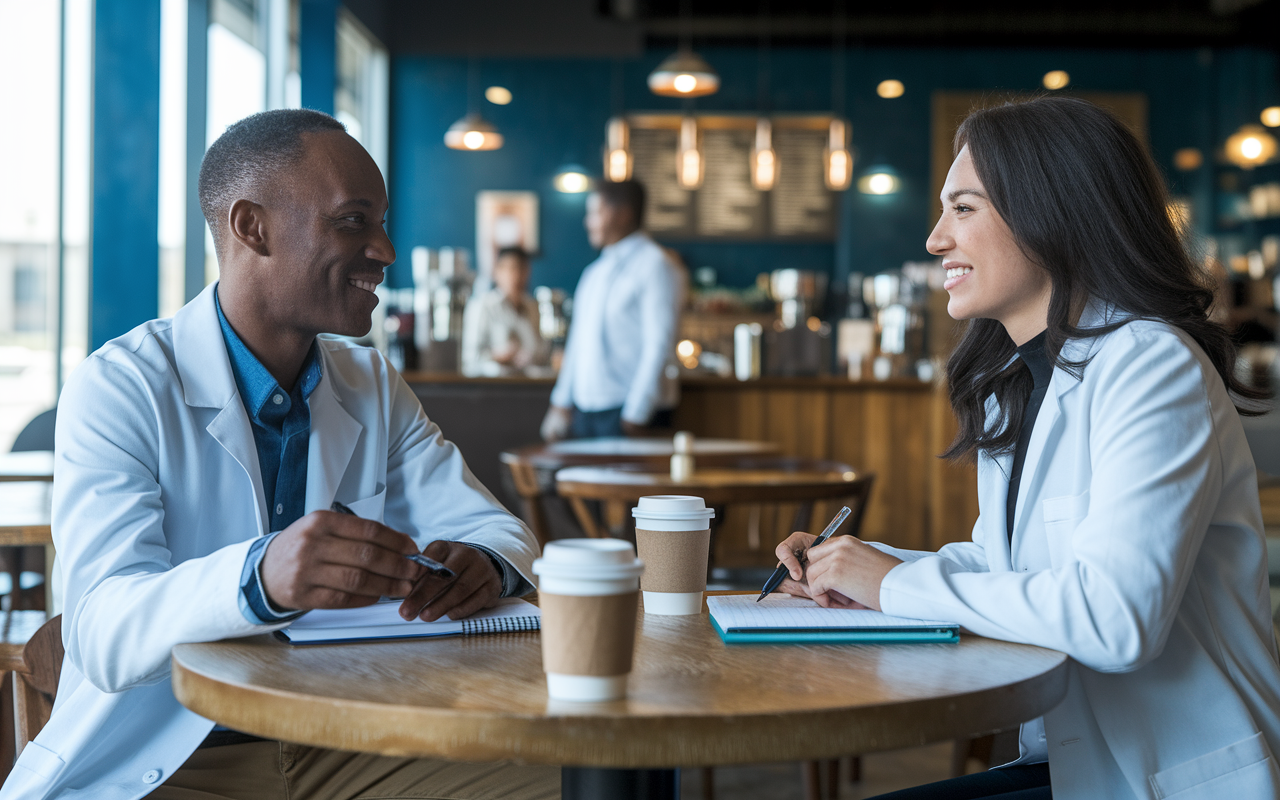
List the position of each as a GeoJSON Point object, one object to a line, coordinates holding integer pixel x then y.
{"type": "Point", "coordinates": [1085, 203]}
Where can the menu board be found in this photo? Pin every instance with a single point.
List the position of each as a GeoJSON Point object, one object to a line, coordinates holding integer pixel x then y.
{"type": "Point", "coordinates": [726, 206]}
{"type": "Point", "coordinates": [668, 208]}
{"type": "Point", "coordinates": [800, 201]}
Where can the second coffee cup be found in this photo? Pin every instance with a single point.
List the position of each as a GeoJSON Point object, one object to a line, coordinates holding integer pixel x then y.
{"type": "Point", "coordinates": [673, 535]}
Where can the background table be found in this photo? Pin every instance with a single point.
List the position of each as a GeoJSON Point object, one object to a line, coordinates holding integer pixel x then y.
{"type": "Point", "coordinates": [693, 700]}
{"type": "Point", "coordinates": [31, 465]}
{"type": "Point", "coordinates": [25, 521]}
{"type": "Point", "coordinates": [532, 468]}
{"type": "Point", "coordinates": [753, 480]}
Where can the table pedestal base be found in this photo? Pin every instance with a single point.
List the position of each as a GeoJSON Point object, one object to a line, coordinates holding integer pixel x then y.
{"type": "Point", "coordinates": [589, 783]}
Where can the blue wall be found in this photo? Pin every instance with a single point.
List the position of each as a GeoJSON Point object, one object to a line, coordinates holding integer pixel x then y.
{"type": "Point", "coordinates": [1197, 98]}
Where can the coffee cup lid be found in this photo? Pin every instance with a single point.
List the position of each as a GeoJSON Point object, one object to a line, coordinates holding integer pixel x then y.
{"type": "Point", "coordinates": [672, 506]}
{"type": "Point", "coordinates": [591, 559]}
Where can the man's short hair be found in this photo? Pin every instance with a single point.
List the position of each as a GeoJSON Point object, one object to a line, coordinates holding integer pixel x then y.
{"type": "Point", "coordinates": [624, 194]}
{"type": "Point", "coordinates": [251, 152]}
{"type": "Point", "coordinates": [514, 252]}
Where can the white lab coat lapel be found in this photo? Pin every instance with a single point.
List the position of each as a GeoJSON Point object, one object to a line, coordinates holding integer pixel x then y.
{"type": "Point", "coordinates": [334, 435]}
{"type": "Point", "coordinates": [992, 496]}
{"type": "Point", "coordinates": [200, 354]}
{"type": "Point", "coordinates": [1049, 422]}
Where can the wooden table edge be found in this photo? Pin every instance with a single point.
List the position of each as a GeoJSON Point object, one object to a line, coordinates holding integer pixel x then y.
{"type": "Point", "coordinates": [646, 742]}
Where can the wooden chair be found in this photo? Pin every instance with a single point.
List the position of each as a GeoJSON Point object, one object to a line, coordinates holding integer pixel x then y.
{"type": "Point", "coordinates": [16, 630]}
{"type": "Point", "coordinates": [35, 682]}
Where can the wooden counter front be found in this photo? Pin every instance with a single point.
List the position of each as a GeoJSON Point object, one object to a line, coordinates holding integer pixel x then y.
{"type": "Point", "coordinates": [895, 428]}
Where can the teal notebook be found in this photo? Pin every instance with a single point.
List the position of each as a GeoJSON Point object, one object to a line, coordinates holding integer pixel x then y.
{"type": "Point", "coordinates": [778, 619]}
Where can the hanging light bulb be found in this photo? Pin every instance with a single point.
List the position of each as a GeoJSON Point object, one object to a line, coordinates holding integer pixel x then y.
{"type": "Point", "coordinates": [837, 158]}
{"type": "Point", "coordinates": [764, 161]}
{"type": "Point", "coordinates": [684, 74]}
{"type": "Point", "coordinates": [617, 150]}
{"type": "Point", "coordinates": [472, 132]}
{"type": "Point", "coordinates": [572, 179]}
{"type": "Point", "coordinates": [689, 162]}
{"type": "Point", "coordinates": [1250, 146]}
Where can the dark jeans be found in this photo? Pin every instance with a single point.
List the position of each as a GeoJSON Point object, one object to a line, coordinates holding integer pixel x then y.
{"type": "Point", "coordinates": [1024, 782]}
{"type": "Point", "coordinates": [590, 424]}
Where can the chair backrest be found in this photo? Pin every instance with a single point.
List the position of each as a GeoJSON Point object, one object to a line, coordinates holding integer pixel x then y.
{"type": "Point", "coordinates": [38, 435]}
{"type": "Point", "coordinates": [36, 684]}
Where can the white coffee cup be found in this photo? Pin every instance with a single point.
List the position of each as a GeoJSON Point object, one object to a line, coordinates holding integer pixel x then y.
{"type": "Point", "coordinates": [673, 535]}
{"type": "Point", "coordinates": [588, 590]}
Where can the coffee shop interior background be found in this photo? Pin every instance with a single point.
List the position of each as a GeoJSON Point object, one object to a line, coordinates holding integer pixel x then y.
{"type": "Point", "coordinates": [821, 274]}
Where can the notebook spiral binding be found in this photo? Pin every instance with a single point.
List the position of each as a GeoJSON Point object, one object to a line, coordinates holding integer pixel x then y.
{"type": "Point", "coordinates": [470, 627]}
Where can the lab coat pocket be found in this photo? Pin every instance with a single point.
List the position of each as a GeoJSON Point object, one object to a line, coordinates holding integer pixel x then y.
{"type": "Point", "coordinates": [1243, 769]}
{"type": "Point", "coordinates": [370, 507]}
{"type": "Point", "coordinates": [39, 760]}
{"type": "Point", "coordinates": [1061, 516]}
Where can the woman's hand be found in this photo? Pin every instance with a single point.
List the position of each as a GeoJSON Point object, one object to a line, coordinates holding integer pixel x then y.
{"type": "Point", "coordinates": [843, 573]}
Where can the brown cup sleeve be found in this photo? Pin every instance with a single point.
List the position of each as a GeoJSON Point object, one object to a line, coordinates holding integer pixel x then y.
{"type": "Point", "coordinates": [674, 561]}
{"type": "Point", "coordinates": [588, 635]}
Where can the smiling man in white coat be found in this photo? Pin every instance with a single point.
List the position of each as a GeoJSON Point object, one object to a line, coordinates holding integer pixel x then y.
{"type": "Point", "coordinates": [196, 461]}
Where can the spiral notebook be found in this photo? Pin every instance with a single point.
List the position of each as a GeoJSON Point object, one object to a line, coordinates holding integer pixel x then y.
{"type": "Point", "coordinates": [382, 621]}
{"type": "Point", "coordinates": [779, 618]}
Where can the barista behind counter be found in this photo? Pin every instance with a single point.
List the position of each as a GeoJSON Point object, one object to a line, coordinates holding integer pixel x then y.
{"type": "Point", "coordinates": [619, 373]}
{"type": "Point", "coordinates": [500, 334]}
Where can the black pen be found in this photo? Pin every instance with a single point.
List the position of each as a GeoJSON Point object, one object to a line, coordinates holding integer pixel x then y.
{"type": "Point", "coordinates": [434, 567]}
{"type": "Point", "coordinates": [780, 574]}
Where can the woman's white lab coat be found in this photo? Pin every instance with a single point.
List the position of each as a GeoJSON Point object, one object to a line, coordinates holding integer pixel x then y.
{"type": "Point", "coordinates": [1138, 551]}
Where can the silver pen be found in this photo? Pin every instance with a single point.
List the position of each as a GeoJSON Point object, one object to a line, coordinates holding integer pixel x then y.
{"type": "Point", "coordinates": [780, 574]}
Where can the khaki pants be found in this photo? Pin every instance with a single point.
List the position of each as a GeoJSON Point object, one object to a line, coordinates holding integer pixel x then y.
{"type": "Point", "coordinates": [279, 771]}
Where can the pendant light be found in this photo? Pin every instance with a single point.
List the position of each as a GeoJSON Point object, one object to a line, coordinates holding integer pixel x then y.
{"type": "Point", "coordinates": [764, 161]}
{"type": "Point", "coordinates": [472, 132]}
{"type": "Point", "coordinates": [684, 73]}
{"type": "Point", "coordinates": [1250, 146]}
{"type": "Point", "coordinates": [617, 150]}
{"type": "Point", "coordinates": [837, 160]}
{"type": "Point", "coordinates": [689, 161]}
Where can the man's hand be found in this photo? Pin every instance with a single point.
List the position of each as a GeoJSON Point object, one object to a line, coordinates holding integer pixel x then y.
{"type": "Point", "coordinates": [846, 572]}
{"type": "Point", "coordinates": [632, 429]}
{"type": "Point", "coordinates": [328, 560]}
{"type": "Point", "coordinates": [555, 425]}
{"type": "Point", "coordinates": [477, 585]}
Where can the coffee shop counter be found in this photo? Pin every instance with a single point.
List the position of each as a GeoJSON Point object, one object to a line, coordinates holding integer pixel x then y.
{"type": "Point", "coordinates": [895, 428]}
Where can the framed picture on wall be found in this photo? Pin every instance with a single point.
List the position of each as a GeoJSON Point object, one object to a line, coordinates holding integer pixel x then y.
{"type": "Point", "coordinates": [504, 219]}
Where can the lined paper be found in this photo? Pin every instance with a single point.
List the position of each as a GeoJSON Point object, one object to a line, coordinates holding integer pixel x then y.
{"type": "Point", "coordinates": [387, 613]}
{"type": "Point", "coordinates": [782, 612]}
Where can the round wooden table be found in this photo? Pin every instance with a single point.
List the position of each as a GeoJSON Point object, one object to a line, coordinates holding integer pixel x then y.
{"type": "Point", "coordinates": [693, 700]}
{"type": "Point", "coordinates": [533, 467]}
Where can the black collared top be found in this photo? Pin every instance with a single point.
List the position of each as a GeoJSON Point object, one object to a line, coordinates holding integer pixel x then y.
{"type": "Point", "coordinates": [1037, 360]}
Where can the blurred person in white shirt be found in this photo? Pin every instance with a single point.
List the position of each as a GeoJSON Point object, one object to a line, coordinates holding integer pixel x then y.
{"type": "Point", "coordinates": [500, 334]}
{"type": "Point", "coordinates": [619, 371]}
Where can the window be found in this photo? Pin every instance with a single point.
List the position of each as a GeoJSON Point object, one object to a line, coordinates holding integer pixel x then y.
{"type": "Point", "coordinates": [360, 98]}
{"type": "Point", "coordinates": [30, 46]}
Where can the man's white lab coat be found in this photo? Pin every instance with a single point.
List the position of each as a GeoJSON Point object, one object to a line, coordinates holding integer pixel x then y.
{"type": "Point", "coordinates": [157, 497]}
{"type": "Point", "coordinates": [1138, 551]}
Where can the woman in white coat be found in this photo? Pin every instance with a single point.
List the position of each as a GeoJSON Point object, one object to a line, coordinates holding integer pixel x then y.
{"type": "Point", "coordinates": [1119, 507]}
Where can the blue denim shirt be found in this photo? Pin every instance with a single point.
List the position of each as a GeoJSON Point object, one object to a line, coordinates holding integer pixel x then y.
{"type": "Point", "coordinates": [281, 423]}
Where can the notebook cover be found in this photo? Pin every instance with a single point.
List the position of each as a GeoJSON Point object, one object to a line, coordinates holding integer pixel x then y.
{"type": "Point", "coordinates": [838, 636]}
